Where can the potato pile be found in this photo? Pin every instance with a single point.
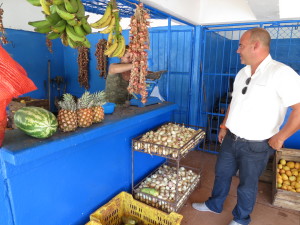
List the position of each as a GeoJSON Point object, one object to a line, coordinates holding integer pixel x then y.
{"type": "Point", "coordinates": [288, 175]}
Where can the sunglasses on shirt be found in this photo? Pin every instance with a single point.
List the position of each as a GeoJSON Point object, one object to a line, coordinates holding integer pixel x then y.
{"type": "Point", "coordinates": [244, 90]}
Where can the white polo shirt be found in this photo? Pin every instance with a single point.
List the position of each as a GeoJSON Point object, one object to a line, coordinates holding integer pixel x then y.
{"type": "Point", "coordinates": [258, 114]}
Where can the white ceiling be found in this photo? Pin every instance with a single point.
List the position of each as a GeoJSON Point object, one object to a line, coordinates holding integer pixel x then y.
{"type": "Point", "coordinates": [17, 13]}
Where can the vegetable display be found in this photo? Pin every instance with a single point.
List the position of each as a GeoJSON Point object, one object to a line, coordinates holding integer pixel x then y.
{"type": "Point", "coordinates": [36, 122]}
{"type": "Point", "coordinates": [159, 189]}
{"type": "Point", "coordinates": [139, 43]}
{"type": "Point", "coordinates": [170, 140]}
{"type": "Point", "coordinates": [64, 19]}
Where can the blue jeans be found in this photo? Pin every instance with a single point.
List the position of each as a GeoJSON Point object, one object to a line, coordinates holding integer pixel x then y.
{"type": "Point", "coordinates": [250, 158]}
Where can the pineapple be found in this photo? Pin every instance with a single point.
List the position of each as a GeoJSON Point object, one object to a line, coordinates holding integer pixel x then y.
{"type": "Point", "coordinates": [67, 119]}
{"type": "Point", "coordinates": [98, 111]}
{"type": "Point", "coordinates": [84, 110]}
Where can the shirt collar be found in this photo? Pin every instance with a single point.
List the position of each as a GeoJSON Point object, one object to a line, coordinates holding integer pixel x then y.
{"type": "Point", "coordinates": [261, 66]}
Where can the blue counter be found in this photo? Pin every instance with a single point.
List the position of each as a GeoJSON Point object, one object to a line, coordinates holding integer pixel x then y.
{"type": "Point", "coordinates": [62, 179]}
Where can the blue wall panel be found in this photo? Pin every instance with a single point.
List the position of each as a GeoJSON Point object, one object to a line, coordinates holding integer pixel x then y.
{"type": "Point", "coordinates": [29, 50]}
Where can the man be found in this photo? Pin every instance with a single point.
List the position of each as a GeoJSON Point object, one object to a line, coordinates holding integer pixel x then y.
{"type": "Point", "coordinates": [263, 90]}
{"type": "Point", "coordinates": [118, 79]}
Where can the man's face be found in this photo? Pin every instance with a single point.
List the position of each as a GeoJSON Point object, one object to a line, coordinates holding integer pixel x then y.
{"type": "Point", "coordinates": [245, 49]}
{"type": "Point", "coordinates": [126, 58]}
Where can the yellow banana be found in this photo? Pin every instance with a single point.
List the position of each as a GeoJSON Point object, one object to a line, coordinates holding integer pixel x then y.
{"type": "Point", "coordinates": [123, 51]}
{"type": "Point", "coordinates": [109, 40]}
{"type": "Point", "coordinates": [120, 47]}
{"type": "Point", "coordinates": [106, 15]}
{"type": "Point", "coordinates": [45, 7]}
{"type": "Point", "coordinates": [111, 49]}
{"type": "Point", "coordinates": [105, 24]}
{"type": "Point", "coordinates": [110, 27]}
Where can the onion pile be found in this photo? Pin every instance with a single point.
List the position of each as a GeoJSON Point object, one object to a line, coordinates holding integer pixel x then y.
{"type": "Point", "coordinates": [83, 67]}
{"type": "Point", "coordinates": [164, 180]}
{"type": "Point", "coordinates": [139, 43]}
{"type": "Point", "coordinates": [101, 57]}
{"type": "Point", "coordinates": [169, 140]}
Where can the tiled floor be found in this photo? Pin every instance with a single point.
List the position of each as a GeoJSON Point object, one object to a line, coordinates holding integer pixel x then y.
{"type": "Point", "coordinates": [264, 213]}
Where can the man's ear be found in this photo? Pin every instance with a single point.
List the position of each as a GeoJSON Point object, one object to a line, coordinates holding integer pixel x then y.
{"type": "Point", "coordinates": [256, 45]}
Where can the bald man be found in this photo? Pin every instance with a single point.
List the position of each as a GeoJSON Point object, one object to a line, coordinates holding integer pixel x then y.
{"type": "Point", "coordinates": [262, 92]}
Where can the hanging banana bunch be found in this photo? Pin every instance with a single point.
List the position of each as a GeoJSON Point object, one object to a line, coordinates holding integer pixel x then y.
{"type": "Point", "coordinates": [64, 19]}
{"type": "Point", "coordinates": [110, 24]}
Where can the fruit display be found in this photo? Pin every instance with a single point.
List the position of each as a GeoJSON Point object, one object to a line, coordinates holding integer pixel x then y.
{"type": "Point", "coordinates": [288, 175]}
{"type": "Point", "coordinates": [139, 43]}
{"type": "Point", "coordinates": [83, 67]}
{"type": "Point", "coordinates": [2, 31]}
{"type": "Point", "coordinates": [36, 122]}
{"type": "Point", "coordinates": [101, 57]}
{"type": "Point", "coordinates": [115, 46]}
{"type": "Point", "coordinates": [84, 110]}
{"type": "Point", "coordinates": [169, 140]}
{"type": "Point", "coordinates": [64, 19]}
{"type": "Point", "coordinates": [98, 111]}
{"type": "Point", "coordinates": [159, 189]}
{"type": "Point", "coordinates": [67, 118]}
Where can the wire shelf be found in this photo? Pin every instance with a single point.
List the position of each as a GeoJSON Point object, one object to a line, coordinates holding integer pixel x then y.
{"type": "Point", "coordinates": [180, 197]}
{"type": "Point", "coordinates": [169, 152]}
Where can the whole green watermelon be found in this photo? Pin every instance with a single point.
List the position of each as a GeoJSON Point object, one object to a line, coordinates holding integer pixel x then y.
{"type": "Point", "coordinates": [36, 122]}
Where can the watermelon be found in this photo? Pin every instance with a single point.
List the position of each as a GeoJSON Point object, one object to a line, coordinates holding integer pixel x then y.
{"type": "Point", "coordinates": [36, 122]}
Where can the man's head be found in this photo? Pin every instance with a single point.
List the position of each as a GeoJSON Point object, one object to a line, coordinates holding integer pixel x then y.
{"type": "Point", "coordinates": [254, 46]}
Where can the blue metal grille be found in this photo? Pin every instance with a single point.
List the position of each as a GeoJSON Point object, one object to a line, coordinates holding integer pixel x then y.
{"type": "Point", "coordinates": [221, 63]}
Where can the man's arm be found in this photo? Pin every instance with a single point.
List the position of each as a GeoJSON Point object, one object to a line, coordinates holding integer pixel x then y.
{"type": "Point", "coordinates": [223, 131]}
{"type": "Point", "coordinates": [119, 68]}
{"type": "Point", "coordinates": [292, 125]}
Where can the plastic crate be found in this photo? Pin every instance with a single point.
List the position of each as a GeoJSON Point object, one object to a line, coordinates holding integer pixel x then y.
{"type": "Point", "coordinates": [124, 205]}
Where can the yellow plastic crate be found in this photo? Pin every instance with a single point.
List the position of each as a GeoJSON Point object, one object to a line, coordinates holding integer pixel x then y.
{"type": "Point", "coordinates": [93, 223]}
{"type": "Point", "coordinates": [124, 205]}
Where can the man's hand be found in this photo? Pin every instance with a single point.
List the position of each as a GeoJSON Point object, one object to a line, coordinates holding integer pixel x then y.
{"type": "Point", "coordinates": [276, 142]}
{"type": "Point", "coordinates": [222, 133]}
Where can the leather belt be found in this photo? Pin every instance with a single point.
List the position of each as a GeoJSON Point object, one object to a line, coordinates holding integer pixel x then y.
{"type": "Point", "coordinates": [237, 138]}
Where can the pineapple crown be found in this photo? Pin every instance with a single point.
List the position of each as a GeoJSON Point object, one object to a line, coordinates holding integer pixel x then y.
{"type": "Point", "coordinates": [85, 101]}
{"type": "Point", "coordinates": [99, 98]}
{"type": "Point", "coordinates": [68, 103]}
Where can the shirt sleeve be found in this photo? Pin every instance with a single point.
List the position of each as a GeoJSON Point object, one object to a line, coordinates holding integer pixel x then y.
{"type": "Point", "coordinates": [288, 86]}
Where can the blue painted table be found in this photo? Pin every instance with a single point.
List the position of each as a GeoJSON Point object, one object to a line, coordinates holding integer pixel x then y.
{"type": "Point", "coordinates": [62, 179]}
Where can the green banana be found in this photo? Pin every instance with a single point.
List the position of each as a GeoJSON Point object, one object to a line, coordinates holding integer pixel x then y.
{"type": "Point", "coordinates": [72, 43]}
{"type": "Point", "coordinates": [45, 7]}
{"type": "Point", "coordinates": [34, 2]}
{"type": "Point", "coordinates": [86, 26]}
{"type": "Point", "coordinates": [86, 43]}
{"type": "Point", "coordinates": [39, 23]}
{"type": "Point", "coordinates": [73, 35]}
{"type": "Point", "coordinates": [53, 35]}
{"type": "Point", "coordinates": [64, 39]}
{"type": "Point", "coordinates": [71, 6]}
{"type": "Point", "coordinates": [53, 18]}
{"type": "Point", "coordinates": [59, 27]}
{"type": "Point", "coordinates": [119, 49]}
{"type": "Point", "coordinates": [110, 27]}
{"type": "Point", "coordinates": [57, 2]}
{"type": "Point", "coordinates": [111, 49]}
{"type": "Point", "coordinates": [43, 30]}
{"type": "Point", "coordinates": [81, 12]}
{"type": "Point", "coordinates": [74, 22]}
{"type": "Point", "coordinates": [62, 12]}
{"type": "Point", "coordinates": [79, 30]}
{"type": "Point", "coordinates": [106, 15]}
